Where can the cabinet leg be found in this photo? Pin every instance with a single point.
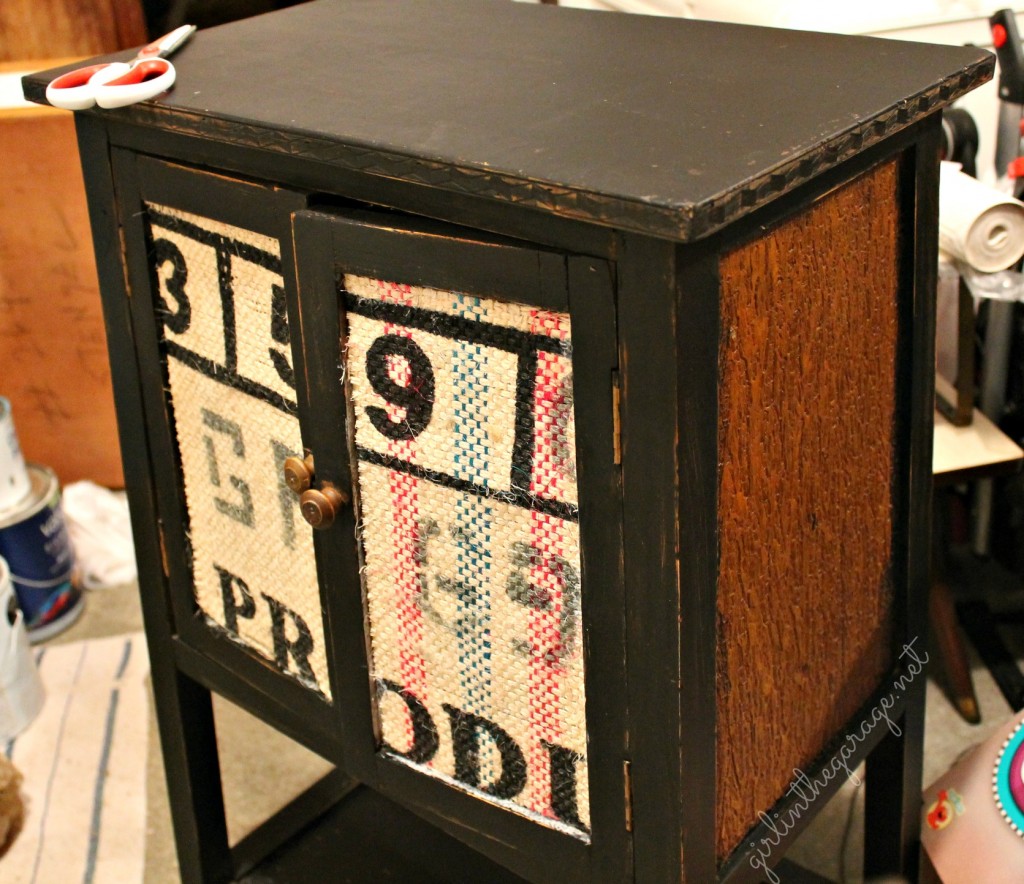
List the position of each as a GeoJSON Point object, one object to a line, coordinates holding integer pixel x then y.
{"type": "Point", "coordinates": [892, 800]}
{"type": "Point", "coordinates": [192, 767]}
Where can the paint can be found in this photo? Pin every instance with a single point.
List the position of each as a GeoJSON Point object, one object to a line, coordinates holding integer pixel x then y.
{"type": "Point", "coordinates": [14, 481]}
{"type": "Point", "coordinates": [21, 689]}
{"type": "Point", "coordinates": [34, 539]}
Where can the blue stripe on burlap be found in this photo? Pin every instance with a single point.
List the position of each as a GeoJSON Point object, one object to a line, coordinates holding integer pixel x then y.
{"type": "Point", "coordinates": [472, 525]}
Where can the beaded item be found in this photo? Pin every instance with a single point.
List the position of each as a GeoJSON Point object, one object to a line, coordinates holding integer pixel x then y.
{"type": "Point", "coordinates": [1008, 780]}
{"type": "Point", "coordinates": [231, 395]}
{"type": "Point", "coordinates": [469, 524]}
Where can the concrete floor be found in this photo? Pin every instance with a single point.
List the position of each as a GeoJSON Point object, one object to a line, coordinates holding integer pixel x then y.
{"type": "Point", "coordinates": [264, 770]}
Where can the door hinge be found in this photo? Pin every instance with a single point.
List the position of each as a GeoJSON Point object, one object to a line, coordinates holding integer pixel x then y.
{"type": "Point", "coordinates": [616, 421]}
{"type": "Point", "coordinates": [627, 785]}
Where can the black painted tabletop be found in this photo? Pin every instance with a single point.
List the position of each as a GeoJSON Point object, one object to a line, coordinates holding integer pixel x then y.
{"type": "Point", "coordinates": [667, 126]}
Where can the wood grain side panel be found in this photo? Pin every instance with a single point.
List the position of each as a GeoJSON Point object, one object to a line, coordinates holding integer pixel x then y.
{"type": "Point", "coordinates": [806, 444]}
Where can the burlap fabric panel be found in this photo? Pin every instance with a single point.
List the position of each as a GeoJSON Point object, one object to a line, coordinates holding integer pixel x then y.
{"type": "Point", "coordinates": [465, 439]}
{"type": "Point", "coordinates": [231, 391]}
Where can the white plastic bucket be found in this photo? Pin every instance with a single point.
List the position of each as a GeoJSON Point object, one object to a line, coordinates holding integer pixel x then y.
{"type": "Point", "coordinates": [21, 689]}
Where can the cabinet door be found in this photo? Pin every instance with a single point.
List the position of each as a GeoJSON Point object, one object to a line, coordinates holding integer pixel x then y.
{"type": "Point", "coordinates": [210, 269]}
{"type": "Point", "coordinates": [462, 394]}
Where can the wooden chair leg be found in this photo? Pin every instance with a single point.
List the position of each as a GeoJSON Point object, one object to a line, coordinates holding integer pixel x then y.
{"type": "Point", "coordinates": [949, 640]}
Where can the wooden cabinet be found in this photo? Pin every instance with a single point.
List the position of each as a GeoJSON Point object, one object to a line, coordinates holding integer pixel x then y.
{"type": "Point", "coordinates": [605, 378]}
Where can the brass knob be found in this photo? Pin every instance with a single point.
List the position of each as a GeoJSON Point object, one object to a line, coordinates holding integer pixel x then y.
{"type": "Point", "coordinates": [298, 473]}
{"type": "Point", "coordinates": [320, 507]}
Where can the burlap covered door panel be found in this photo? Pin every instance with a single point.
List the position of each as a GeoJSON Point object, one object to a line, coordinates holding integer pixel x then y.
{"type": "Point", "coordinates": [231, 390]}
{"type": "Point", "coordinates": [457, 373]}
{"type": "Point", "coordinates": [465, 441]}
{"type": "Point", "coordinates": [241, 561]}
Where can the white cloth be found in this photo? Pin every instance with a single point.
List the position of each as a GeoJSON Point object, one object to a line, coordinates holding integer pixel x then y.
{"type": "Point", "coordinates": [101, 533]}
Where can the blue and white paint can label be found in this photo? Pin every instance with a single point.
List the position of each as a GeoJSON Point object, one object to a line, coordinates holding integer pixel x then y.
{"type": "Point", "coordinates": [14, 481]}
{"type": "Point", "coordinates": [35, 541]}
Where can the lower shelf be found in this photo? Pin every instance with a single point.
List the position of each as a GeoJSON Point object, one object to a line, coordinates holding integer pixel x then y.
{"type": "Point", "coordinates": [367, 838]}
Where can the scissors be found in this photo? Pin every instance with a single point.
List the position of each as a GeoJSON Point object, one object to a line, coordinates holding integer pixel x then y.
{"type": "Point", "coordinates": [117, 84]}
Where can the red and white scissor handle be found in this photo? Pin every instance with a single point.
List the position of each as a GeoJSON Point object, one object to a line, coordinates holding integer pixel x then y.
{"type": "Point", "coordinates": [117, 84]}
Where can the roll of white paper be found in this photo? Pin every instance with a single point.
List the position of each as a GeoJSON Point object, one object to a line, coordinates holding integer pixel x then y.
{"type": "Point", "coordinates": [21, 689]}
{"type": "Point", "coordinates": [14, 481]}
{"type": "Point", "coordinates": [977, 223]}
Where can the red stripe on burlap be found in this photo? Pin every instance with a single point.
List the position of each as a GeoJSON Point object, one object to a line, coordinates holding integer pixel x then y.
{"type": "Point", "coordinates": [405, 531]}
{"type": "Point", "coordinates": [546, 670]}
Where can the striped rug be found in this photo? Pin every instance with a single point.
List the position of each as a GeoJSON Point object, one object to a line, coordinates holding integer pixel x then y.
{"type": "Point", "coordinates": [84, 763]}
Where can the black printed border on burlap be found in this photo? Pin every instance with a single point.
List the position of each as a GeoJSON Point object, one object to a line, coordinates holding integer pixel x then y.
{"type": "Point", "coordinates": [526, 346]}
{"type": "Point", "coordinates": [226, 248]}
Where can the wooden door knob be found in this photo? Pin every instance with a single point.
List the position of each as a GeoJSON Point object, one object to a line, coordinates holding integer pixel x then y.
{"type": "Point", "coordinates": [321, 506]}
{"type": "Point", "coordinates": [298, 473]}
